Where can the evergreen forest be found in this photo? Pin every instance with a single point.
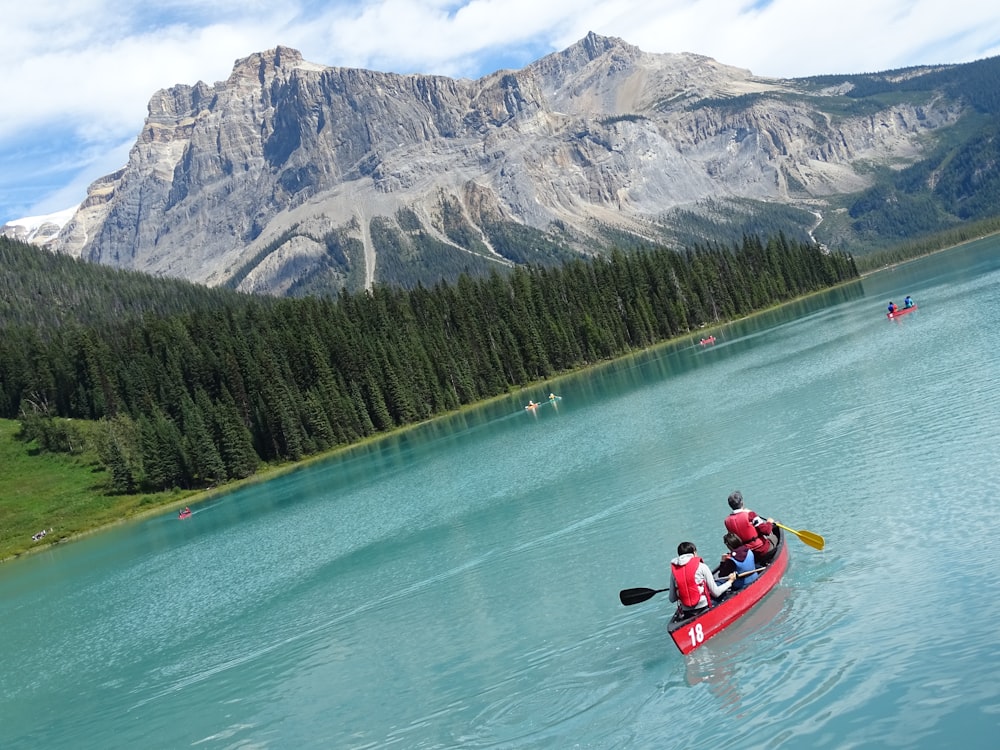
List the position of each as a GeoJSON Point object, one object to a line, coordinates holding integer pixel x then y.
{"type": "Point", "coordinates": [178, 386]}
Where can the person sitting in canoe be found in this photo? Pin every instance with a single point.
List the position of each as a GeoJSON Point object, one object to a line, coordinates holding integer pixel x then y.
{"type": "Point", "coordinates": [892, 307]}
{"type": "Point", "coordinates": [691, 580]}
{"type": "Point", "coordinates": [739, 559]}
{"type": "Point", "coordinates": [752, 530]}
{"type": "Point", "coordinates": [908, 302]}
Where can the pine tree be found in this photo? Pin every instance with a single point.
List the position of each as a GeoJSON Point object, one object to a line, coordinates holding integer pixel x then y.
{"type": "Point", "coordinates": [233, 438]}
{"type": "Point", "coordinates": [119, 447]}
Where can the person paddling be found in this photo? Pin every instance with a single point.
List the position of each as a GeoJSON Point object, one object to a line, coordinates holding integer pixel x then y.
{"type": "Point", "coordinates": [752, 530]}
{"type": "Point", "coordinates": [691, 580]}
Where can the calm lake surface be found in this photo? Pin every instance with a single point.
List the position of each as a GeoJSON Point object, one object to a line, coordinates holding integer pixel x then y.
{"type": "Point", "coordinates": [457, 586]}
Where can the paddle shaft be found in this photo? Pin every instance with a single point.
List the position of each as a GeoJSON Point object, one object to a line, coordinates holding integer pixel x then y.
{"type": "Point", "coordinates": [743, 575]}
{"type": "Point", "coordinates": [634, 596]}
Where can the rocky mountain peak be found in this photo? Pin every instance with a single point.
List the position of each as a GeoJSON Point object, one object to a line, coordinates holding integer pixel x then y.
{"type": "Point", "coordinates": [266, 66]}
{"type": "Point", "coordinates": [291, 176]}
{"type": "Point", "coordinates": [593, 47]}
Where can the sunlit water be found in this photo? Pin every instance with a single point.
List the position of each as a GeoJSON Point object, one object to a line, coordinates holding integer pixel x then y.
{"type": "Point", "coordinates": [457, 586]}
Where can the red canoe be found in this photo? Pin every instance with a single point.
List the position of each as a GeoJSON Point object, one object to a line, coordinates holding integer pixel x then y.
{"type": "Point", "coordinates": [900, 311]}
{"type": "Point", "coordinates": [709, 340]}
{"type": "Point", "coordinates": [689, 632]}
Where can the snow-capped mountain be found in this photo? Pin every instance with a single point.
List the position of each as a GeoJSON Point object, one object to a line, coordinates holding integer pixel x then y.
{"type": "Point", "coordinates": [38, 230]}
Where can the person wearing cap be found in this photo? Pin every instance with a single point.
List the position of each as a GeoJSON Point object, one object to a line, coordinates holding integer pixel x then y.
{"type": "Point", "coordinates": [753, 531]}
{"type": "Point", "coordinates": [691, 580]}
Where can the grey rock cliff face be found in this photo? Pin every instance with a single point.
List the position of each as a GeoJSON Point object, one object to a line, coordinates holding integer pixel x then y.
{"type": "Point", "coordinates": [248, 181]}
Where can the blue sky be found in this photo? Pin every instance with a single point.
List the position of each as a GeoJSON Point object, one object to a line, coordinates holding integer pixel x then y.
{"type": "Point", "coordinates": [77, 76]}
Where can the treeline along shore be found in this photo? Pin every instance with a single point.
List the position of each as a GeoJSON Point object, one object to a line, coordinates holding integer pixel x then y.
{"type": "Point", "coordinates": [168, 386]}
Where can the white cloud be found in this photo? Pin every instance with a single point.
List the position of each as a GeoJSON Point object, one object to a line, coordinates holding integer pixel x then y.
{"type": "Point", "coordinates": [87, 69]}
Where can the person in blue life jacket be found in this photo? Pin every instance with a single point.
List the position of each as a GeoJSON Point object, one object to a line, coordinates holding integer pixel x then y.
{"type": "Point", "coordinates": [691, 580]}
{"type": "Point", "coordinates": [739, 559]}
{"type": "Point", "coordinates": [892, 307]}
{"type": "Point", "coordinates": [908, 302]}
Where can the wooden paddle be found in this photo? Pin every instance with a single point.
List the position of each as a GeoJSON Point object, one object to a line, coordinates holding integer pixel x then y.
{"type": "Point", "coordinates": [634, 596]}
{"type": "Point", "coordinates": [813, 540]}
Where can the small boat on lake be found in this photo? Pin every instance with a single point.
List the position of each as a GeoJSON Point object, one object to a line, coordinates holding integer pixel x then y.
{"type": "Point", "coordinates": [707, 341]}
{"type": "Point", "coordinates": [900, 311]}
{"type": "Point", "coordinates": [532, 405]}
{"type": "Point", "coordinates": [186, 513]}
{"type": "Point", "coordinates": [689, 631]}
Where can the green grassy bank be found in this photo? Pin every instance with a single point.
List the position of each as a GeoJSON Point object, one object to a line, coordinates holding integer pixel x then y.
{"type": "Point", "coordinates": [68, 494]}
{"type": "Point", "coordinates": [58, 492]}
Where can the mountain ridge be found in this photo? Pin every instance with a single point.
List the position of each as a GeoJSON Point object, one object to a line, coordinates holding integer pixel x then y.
{"type": "Point", "coordinates": [290, 177]}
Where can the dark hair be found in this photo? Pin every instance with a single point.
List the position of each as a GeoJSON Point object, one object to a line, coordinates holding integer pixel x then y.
{"type": "Point", "coordinates": [686, 548]}
{"type": "Point", "coordinates": [736, 500]}
{"type": "Point", "coordinates": [731, 540]}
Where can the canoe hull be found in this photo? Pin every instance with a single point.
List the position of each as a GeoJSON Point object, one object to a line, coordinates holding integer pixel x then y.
{"type": "Point", "coordinates": [900, 311]}
{"type": "Point", "coordinates": [691, 632]}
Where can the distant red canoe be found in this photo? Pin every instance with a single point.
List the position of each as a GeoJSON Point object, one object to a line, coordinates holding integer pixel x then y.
{"type": "Point", "coordinates": [184, 514]}
{"type": "Point", "coordinates": [900, 311]}
{"type": "Point", "coordinates": [689, 632]}
{"type": "Point", "coordinates": [709, 340]}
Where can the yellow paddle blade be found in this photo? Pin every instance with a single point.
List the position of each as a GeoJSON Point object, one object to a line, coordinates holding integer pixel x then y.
{"type": "Point", "coordinates": [813, 540]}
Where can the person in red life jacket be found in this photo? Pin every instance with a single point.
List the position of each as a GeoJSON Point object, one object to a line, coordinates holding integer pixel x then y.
{"type": "Point", "coordinates": [691, 580]}
{"type": "Point", "coordinates": [753, 531]}
{"type": "Point", "coordinates": [740, 560]}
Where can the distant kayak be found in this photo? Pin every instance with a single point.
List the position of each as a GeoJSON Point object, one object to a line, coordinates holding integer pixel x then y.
{"type": "Point", "coordinates": [900, 311]}
{"type": "Point", "coordinates": [551, 399]}
{"type": "Point", "coordinates": [709, 340]}
{"type": "Point", "coordinates": [186, 513]}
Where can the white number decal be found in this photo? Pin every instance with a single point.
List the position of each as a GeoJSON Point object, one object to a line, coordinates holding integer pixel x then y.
{"type": "Point", "coordinates": [696, 634]}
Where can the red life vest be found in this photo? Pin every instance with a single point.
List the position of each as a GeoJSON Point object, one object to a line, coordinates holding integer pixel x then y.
{"type": "Point", "coordinates": [689, 591]}
{"type": "Point", "coordinates": [740, 524]}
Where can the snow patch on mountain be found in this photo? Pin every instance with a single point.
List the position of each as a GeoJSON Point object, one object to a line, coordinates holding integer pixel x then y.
{"type": "Point", "coordinates": [38, 230]}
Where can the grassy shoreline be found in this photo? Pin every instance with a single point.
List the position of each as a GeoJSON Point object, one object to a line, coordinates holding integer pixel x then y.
{"type": "Point", "coordinates": [65, 493]}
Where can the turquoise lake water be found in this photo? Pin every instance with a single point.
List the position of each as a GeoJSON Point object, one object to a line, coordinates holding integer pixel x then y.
{"type": "Point", "coordinates": [457, 586]}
